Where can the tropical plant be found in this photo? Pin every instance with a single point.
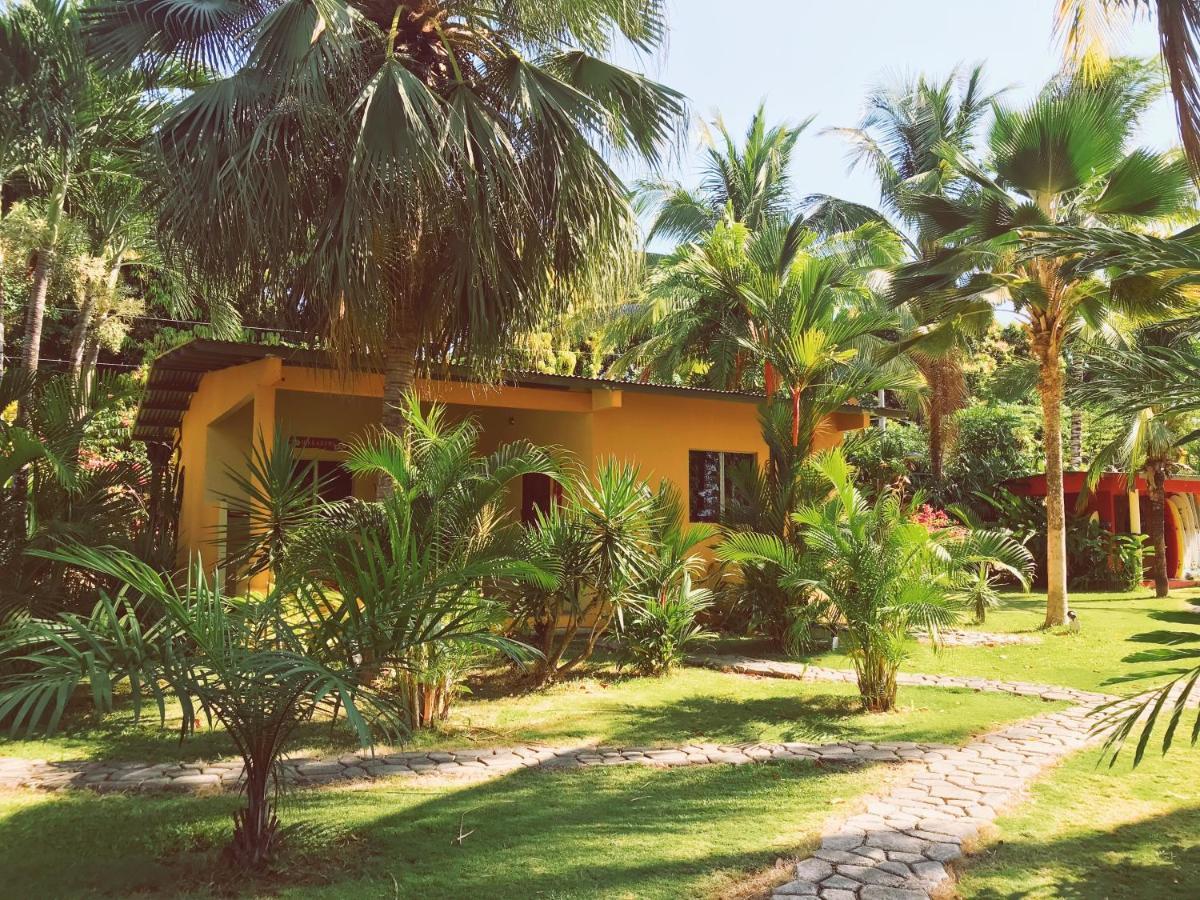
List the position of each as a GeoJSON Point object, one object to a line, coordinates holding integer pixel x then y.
{"type": "Point", "coordinates": [1120, 718]}
{"type": "Point", "coordinates": [53, 487]}
{"type": "Point", "coordinates": [994, 443]}
{"type": "Point", "coordinates": [87, 123]}
{"type": "Point", "coordinates": [659, 629]}
{"type": "Point", "coordinates": [279, 170]}
{"type": "Point", "coordinates": [1149, 446]}
{"type": "Point", "coordinates": [274, 495]}
{"type": "Point", "coordinates": [749, 184]}
{"type": "Point", "coordinates": [600, 539]}
{"type": "Point", "coordinates": [1088, 28]}
{"type": "Point", "coordinates": [440, 541]}
{"type": "Point", "coordinates": [886, 458]}
{"type": "Point", "coordinates": [1062, 160]}
{"type": "Point", "coordinates": [899, 138]}
{"type": "Point", "coordinates": [981, 579]}
{"type": "Point", "coordinates": [869, 565]}
{"type": "Point", "coordinates": [260, 665]}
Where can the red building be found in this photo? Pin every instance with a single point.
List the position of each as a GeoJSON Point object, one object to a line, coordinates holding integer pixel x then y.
{"type": "Point", "coordinates": [1124, 507]}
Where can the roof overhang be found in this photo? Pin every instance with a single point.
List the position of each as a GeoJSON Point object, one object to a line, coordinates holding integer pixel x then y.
{"type": "Point", "coordinates": [175, 377]}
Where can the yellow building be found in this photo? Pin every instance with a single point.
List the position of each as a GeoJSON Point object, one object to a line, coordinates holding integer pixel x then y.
{"type": "Point", "coordinates": [212, 398]}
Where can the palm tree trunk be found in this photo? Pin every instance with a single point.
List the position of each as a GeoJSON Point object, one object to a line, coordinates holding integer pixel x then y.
{"type": "Point", "coordinates": [1076, 440]}
{"type": "Point", "coordinates": [256, 827]}
{"type": "Point", "coordinates": [80, 333]}
{"type": "Point", "coordinates": [1156, 483]}
{"type": "Point", "coordinates": [92, 354]}
{"type": "Point", "coordinates": [35, 312]}
{"type": "Point", "coordinates": [399, 374]}
{"type": "Point", "coordinates": [1050, 390]}
{"type": "Point", "coordinates": [937, 449]}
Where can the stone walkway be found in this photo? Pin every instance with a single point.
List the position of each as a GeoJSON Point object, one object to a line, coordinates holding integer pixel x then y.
{"type": "Point", "coordinates": [899, 847]}
{"type": "Point", "coordinates": [767, 668]}
{"type": "Point", "coordinates": [957, 638]}
{"type": "Point", "coordinates": [136, 776]}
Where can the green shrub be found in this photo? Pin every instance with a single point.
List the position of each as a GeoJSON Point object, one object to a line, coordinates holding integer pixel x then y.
{"type": "Point", "coordinates": [660, 629]}
{"type": "Point", "coordinates": [992, 444]}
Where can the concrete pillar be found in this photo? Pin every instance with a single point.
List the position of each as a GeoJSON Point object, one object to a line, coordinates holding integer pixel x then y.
{"type": "Point", "coordinates": [1135, 512]}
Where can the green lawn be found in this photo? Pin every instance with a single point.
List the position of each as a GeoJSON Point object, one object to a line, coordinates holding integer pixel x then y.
{"type": "Point", "coordinates": [1091, 832]}
{"type": "Point", "coordinates": [1087, 660]}
{"type": "Point", "coordinates": [633, 832]}
{"type": "Point", "coordinates": [599, 833]}
{"type": "Point", "coordinates": [692, 704]}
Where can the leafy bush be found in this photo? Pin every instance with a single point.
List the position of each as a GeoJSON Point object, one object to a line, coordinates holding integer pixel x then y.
{"type": "Point", "coordinates": [993, 444]}
{"type": "Point", "coordinates": [660, 628]}
{"type": "Point", "coordinates": [886, 457]}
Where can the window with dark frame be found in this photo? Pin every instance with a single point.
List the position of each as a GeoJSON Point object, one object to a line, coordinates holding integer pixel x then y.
{"type": "Point", "coordinates": [712, 484]}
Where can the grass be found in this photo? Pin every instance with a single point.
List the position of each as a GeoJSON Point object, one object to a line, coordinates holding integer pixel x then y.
{"type": "Point", "coordinates": [692, 704]}
{"type": "Point", "coordinates": [1090, 832]}
{"type": "Point", "coordinates": [1088, 660]}
{"type": "Point", "coordinates": [600, 833]}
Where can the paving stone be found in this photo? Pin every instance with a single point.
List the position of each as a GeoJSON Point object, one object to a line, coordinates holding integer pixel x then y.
{"type": "Point", "coordinates": [796, 889]}
{"type": "Point", "coordinates": [878, 892]}
{"type": "Point", "coordinates": [813, 869]}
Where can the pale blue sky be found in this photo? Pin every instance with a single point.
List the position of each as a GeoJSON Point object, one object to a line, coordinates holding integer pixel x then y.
{"type": "Point", "coordinates": [806, 57]}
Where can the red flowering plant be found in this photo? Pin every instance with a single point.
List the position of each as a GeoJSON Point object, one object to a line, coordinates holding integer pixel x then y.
{"type": "Point", "coordinates": [931, 517]}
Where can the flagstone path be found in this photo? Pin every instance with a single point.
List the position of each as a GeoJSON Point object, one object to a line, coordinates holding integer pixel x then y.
{"type": "Point", "coordinates": [957, 638]}
{"type": "Point", "coordinates": [899, 847]}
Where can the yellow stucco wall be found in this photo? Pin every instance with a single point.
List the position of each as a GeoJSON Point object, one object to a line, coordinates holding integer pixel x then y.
{"type": "Point", "coordinates": [655, 431]}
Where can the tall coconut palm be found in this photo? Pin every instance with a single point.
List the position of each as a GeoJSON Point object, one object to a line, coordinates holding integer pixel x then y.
{"type": "Point", "coordinates": [749, 183]}
{"type": "Point", "coordinates": [1089, 27]}
{"type": "Point", "coordinates": [1150, 444]}
{"type": "Point", "coordinates": [427, 176]}
{"type": "Point", "coordinates": [898, 139]}
{"type": "Point", "coordinates": [699, 321]}
{"type": "Point", "coordinates": [1062, 160]}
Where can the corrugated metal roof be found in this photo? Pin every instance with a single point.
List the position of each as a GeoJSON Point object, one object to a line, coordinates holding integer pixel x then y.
{"type": "Point", "coordinates": [175, 376]}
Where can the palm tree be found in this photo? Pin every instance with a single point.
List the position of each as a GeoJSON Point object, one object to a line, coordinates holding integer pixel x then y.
{"type": "Point", "coordinates": [1062, 160]}
{"type": "Point", "coordinates": [750, 183]}
{"type": "Point", "coordinates": [1150, 444]}
{"type": "Point", "coordinates": [52, 490]}
{"type": "Point", "coordinates": [898, 139]}
{"type": "Point", "coordinates": [261, 666]}
{"type": "Point", "coordinates": [424, 177]}
{"type": "Point", "coordinates": [875, 569]}
{"type": "Point", "coordinates": [600, 543]}
{"type": "Point", "coordinates": [442, 539]}
{"type": "Point", "coordinates": [815, 323]}
{"type": "Point", "coordinates": [1088, 28]}
{"type": "Point", "coordinates": [85, 120]}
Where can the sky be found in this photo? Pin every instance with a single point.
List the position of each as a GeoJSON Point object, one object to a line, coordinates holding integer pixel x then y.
{"type": "Point", "coordinates": [814, 57]}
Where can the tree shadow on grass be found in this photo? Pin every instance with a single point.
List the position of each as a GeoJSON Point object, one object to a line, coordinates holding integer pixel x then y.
{"type": "Point", "coordinates": [1098, 865]}
{"type": "Point", "coordinates": [617, 832]}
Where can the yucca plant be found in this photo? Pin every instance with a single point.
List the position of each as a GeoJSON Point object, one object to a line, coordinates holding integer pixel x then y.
{"type": "Point", "coordinates": [599, 540]}
{"type": "Point", "coordinates": [275, 494]}
{"type": "Point", "coordinates": [442, 540]}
